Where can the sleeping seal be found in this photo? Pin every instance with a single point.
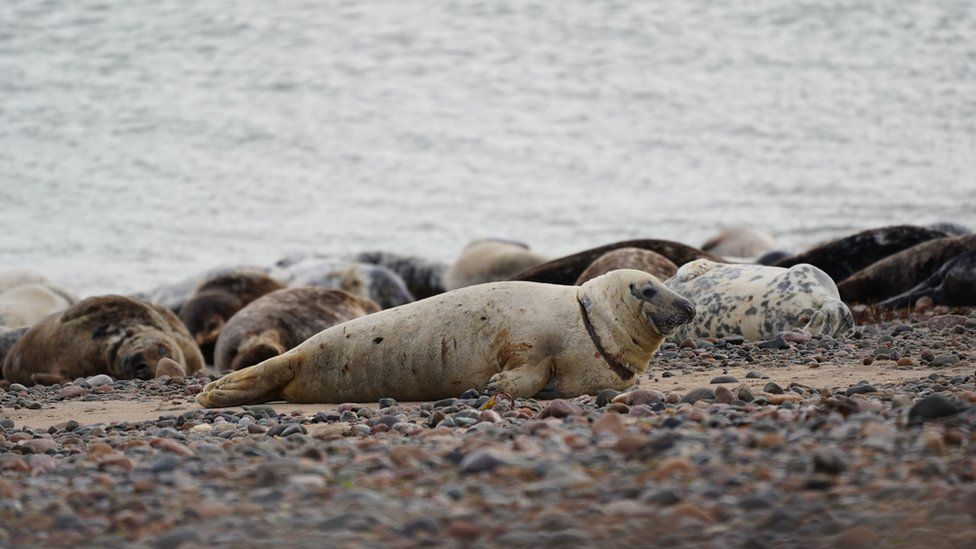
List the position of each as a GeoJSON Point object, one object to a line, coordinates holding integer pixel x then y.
{"type": "Point", "coordinates": [424, 278]}
{"type": "Point", "coordinates": [516, 337]}
{"type": "Point", "coordinates": [759, 302]}
{"type": "Point", "coordinates": [740, 241]}
{"type": "Point", "coordinates": [629, 258]}
{"type": "Point", "coordinates": [954, 285]}
{"type": "Point", "coordinates": [276, 322]}
{"type": "Point", "coordinates": [490, 260]}
{"type": "Point", "coordinates": [110, 334]}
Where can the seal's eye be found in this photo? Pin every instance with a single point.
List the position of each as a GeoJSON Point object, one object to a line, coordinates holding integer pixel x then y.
{"type": "Point", "coordinates": [649, 293]}
{"type": "Point", "coordinates": [161, 351]}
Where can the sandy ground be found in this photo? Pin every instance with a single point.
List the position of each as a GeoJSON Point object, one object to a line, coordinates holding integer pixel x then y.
{"type": "Point", "coordinates": [826, 375]}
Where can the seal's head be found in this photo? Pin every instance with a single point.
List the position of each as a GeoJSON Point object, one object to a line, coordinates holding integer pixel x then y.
{"type": "Point", "coordinates": [139, 354]}
{"type": "Point", "coordinates": [205, 314]}
{"type": "Point", "coordinates": [632, 313]}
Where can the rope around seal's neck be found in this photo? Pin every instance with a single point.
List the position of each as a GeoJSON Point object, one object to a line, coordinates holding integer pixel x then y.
{"type": "Point", "coordinates": [615, 365]}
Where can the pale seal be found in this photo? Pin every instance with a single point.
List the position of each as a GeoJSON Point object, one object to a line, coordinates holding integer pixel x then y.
{"type": "Point", "coordinates": [490, 261]}
{"type": "Point", "coordinates": [629, 258]}
{"type": "Point", "coordinates": [759, 302]}
{"type": "Point", "coordinates": [13, 278]}
{"type": "Point", "coordinates": [521, 338]}
{"type": "Point", "coordinates": [111, 334]}
{"type": "Point", "coordinates": [739, 242]}
{"type": "Point", "coordinates": [373, 282]}
{"type": "Point", "coordinates": [276, 322]}
{"type": "Point", "coordinates": [566, 270]}
{"type": "Point", "coordinates": [218, 299]}
{"type": "Point", "coordinates": [954, 285]}
{"type": "Point", "coordinates": [27, 304]}
{"type": "Point", "coordinates": [901, 272]}
{"type": "Point", "coordinates": [843, 257]}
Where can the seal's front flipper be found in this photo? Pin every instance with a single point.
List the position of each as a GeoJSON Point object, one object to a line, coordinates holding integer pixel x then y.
{"type": "Point", "coordinates": [521, 381]}
{"type": "Point", "coordinates": [259, 383]}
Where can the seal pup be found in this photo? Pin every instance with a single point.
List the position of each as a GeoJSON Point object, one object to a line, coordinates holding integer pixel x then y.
{"type": "Point", "coordinates": [901, 272]}
{"type": "Point", "coordinates": [373, 282]}
{"type": "Point", "coordinates": [566, 270]}
{"type": "Point", "coordinates": [516, 337]}
{"type": "Point", "coordinates": [629, 258]}
{"type": "Point", "coordinates": [490, 260]}
{"type": "Point", "coordinates": [110, 334]}
{"type": "Point", "coordinates": [28, 303]}
{"type": "Point", "coordinates": [843, 257]}
{"type": "Point", "coordinates": [739, 241]}
{"type": "Point", "coordinates": [276, 322]}
{"type": "Point", "coordinates": [424, 278]}
{"type": "Point", "coordinates": [953, 285]}
{"type": "Point", "coordinates": [758, 302]}
{"type": "Point", "coordinates": [215, 301]}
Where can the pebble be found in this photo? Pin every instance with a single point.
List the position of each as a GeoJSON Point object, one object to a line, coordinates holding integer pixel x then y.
{"type": "Point", "coordinates": [773, 388]}
{"type": "Point", "coordinates": [169, 367]}
{"type": "Point", "coordinates": [753, 374]}
{"type": "Point", "coordinates": [933, 407]}
{"type": "Point", "coordinates": [702, 393]}
{"type": "Point", "coordinates": [482, 460]}
{"type": "Point", "coordinates": [72, 391]}
{"type": "Point", "coordinates": [723, 395]}
{"type": "Point", "coordinates": [945, 359]}
{"type": "Point", "coordinates": [100, 379]}
{"type": "Point", "coordinates": [775, 343]}
{"type": "Point", "coordinates": [605, 396]}
{"type": "Point", "coordinates": [639, 396]}
{"type": "Point", "coordinates": [16, 388]}
{"type": "Point", "coordinates": [560, 408]}
{"type": "Point", "coordinates": [724, 379]}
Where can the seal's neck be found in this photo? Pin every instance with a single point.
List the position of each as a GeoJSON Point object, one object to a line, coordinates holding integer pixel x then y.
{"type": "Point", "coordinates": [628, 353]}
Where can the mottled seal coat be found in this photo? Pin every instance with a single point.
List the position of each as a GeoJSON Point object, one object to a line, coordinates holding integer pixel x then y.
{"type": "Point", "coordinates": [423, 277]}
{"type": "Point", "coordinates": [218, 299]}
{"type": "Point", "coordinates": [521, 338]}
{"type": "Point", "coordinates": [566, 270]}
{"type": "Point", "coordinates": [740, 242]}
{"type": "Point", "coordinates": [173, 296]}
{"type": "Point", "coordinates": [29, 303]}
{"type": "Point", "coordinates": [759, 302]}
{"type": "Point", "coordinates": [629, 258]}
{"type": "Point", "coordinates": [277, 322]}
{"type": "Point", "coordinates": [954, 285]}
{"type": "Point", "coordinates": [901, 272]}
{"type": "Point", "coordinates": [843, 257]}
{"type": "Point", "coordinates": [490, 261]}
{"type": "Point", "coordinates": [111, 334]}
{"type": "Point", "coordinates": [373, 282]}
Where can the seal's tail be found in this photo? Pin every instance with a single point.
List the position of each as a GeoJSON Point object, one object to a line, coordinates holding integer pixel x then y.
{"type": "Point", "coordinates": [255, 384]}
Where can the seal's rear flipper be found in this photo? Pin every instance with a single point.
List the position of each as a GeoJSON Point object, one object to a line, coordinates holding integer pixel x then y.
{"type": "Point", "coordinates": [255, 384]}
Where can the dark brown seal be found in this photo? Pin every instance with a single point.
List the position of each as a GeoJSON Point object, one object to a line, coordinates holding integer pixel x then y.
{"type": "Point", "coordinates": [953, 285]}
{"type": "Point", "coordinates": [214, 302]}
{"type": "Point", "coordinates": [630, 258]}
{"type": "Point", "coordinates": [279, 321]}
{"type": "Point", "coordinates": [843, 257]}
{"type": "Point", "coordinates": [566, 270]}
{"type": "Point", "coordinates": [902, 271]}
{"type": "Point", "coordinates": [114, 335]}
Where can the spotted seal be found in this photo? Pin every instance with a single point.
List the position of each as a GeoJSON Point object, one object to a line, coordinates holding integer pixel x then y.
{"type": "Point", "coordinates": [115, 335]}
{"type": "Point", "coordinates": [522, 338]}
{"type": "Point", "coordinates": [276, 322]}
{"type": "Point", "coordinates": [567, 270]}
{"type": "Point", "coordinates": [758, 302]}
{"type": "Point", "coordinates": [901, 272]}
{"type": "Point", "coordinates": [843, 257]}
{"type": "Point", "coordinates": [629, 258]}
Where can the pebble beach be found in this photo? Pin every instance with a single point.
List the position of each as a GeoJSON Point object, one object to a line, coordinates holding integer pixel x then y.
{"type": "Point", "coordinates": [863, 441]}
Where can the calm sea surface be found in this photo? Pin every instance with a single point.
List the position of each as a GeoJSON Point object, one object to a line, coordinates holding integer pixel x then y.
{"type": "Point", "coordinates": [145, 140]}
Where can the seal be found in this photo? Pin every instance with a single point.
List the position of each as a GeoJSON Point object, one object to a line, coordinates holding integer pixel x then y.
{"type": "Point", "coordinates": [423, 277]}
{"type": "Point", "coordinates": [521, 338]}
{"type": "Point", "coordinates": [490, 260]}
{"type": "Point", "coordinates": [276, 322]}
{"type": "Point", "coordinates": [899, 273]}
{"type": "Point", "coordinates": [216, 300]}
{"type": "Point", "coordinates": [629, 258]}
{"type": "Point", "coordinates": [13, 278]}
{"type": "Point", "coordinates": [28, 303]}
{"type": "Point", "coordinates": [759, 302]}
{"type": "Point", "coordinates": [567, 270]}
{"type": "Point", "coordinates": [739, 241]}
{"type": "Point", "coordinates": [7, 339]}
{"type": "Point", "coordinates": [110, 334]}
{"type": "Point", "coordinates": [954, 285]}
{"type": "Point", "coordinates": [951, 229]}
{"type": "Point", "coordinates": [173, 296]}
{"type": "Point", "coordinates": [843, 257]}
{"type": "Point", "coordinates": [373, 282]}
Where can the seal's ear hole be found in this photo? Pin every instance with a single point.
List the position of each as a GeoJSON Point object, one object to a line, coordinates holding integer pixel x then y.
{"type": "Point", "coordinates": [649, 293]}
